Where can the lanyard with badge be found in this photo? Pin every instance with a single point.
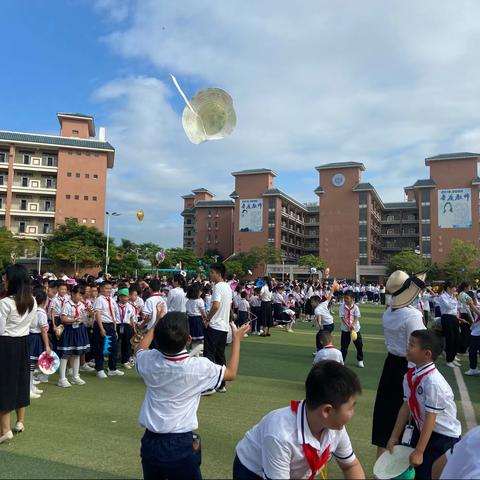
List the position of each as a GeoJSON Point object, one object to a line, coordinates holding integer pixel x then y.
{"type": "Point", "coordinates": [123, 312]}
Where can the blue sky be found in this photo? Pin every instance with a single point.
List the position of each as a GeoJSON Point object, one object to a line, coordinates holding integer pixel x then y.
{"type": "Point", "coordinates": [385, 83]}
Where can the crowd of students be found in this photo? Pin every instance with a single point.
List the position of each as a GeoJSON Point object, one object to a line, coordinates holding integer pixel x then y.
{"type": "Point", "coordinates": [170, 322]}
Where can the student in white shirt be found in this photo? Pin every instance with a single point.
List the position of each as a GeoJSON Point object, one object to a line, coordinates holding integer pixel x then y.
{"type": "Point", "coordinates": [154, 305]}
{"type": "Point", "coordinates": [197, 316]}
{"type": "Point", "coordinates": [243, 309]}
{"type": "Point", "coordinates": [350, 315]}
{"type": "Point", "coordinates": [106, 318]}
{"type": "Point", "coordinates": [125, 326]}
{"type": "Point", "coordinates": [474, 348]}
{"type": "Point", "coordinates": [174, 382]}
{"type": "Point", "coordinates": [177, 298]}
{"type": "Point", "coordinates": [428, 399]}
{"type": "Point", "coordinates": [328, 352]}
{"type": "Point", "coordinates": [255, 307]}
{"type": "Point", "coordinates": [450, 322]}
{"type": "Point", "coordinates": [297, 441]}
{"type": "Point", "coordinates": [323, 317]}
{"type": "Point", "coordinates": [218, 321]}
{"type": "Point", "coordinates": [266, 317]}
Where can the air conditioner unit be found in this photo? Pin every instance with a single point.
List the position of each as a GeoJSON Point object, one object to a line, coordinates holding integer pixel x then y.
{"type": "Point", "coordinates": [34, 207]}
{"type": "Point", "coordinates": [31, 229]}
{"type": "Point", "coordinates": [34, 183]}
{"type": "Point", "coordinates": [37, 161]}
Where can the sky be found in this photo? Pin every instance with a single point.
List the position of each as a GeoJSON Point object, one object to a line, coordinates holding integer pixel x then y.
{"type": "Point", "coordinates": [383, 83]}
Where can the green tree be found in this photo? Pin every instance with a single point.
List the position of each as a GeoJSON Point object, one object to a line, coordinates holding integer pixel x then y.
{"type": "Point", "coordinates": [408, 261]}
{"type": "Point", "coordinates": [312, 261]}
{"type": "Point", "coordinates": [462, 262]}
{"type": "Point", "coordinates": [236, 267]}
{"type": "Point", "coordinates": [12, 247]}
{"type": "Point", "coordinates": [71, 240]}
{"type": "Point", "coordinates": [185, 256]}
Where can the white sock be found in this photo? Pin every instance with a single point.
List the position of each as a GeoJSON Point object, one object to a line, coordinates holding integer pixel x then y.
{"type": "Point", "coordinates": [31, 380]}
{"type": "Point", "coordinates": [62, 371]}
{"type": "Point", "coordinates": [76, 366]}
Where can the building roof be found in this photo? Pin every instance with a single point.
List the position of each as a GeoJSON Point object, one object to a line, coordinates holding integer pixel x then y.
{"type": "Point", "coordinates": [367, 187]}
{"type": "Point", "coordinates": [452, 156]}
{"type": "Point", "coordinates": [31, 139]}
{"type": "Point", "coordinates": [188, 195]}
{"type": "Point", "coordinates": [400, 205]}
{"type": "Point", "coordinates": [188, 211]}
{"type": "Point", "coordinates": [424, 183]}
{"type": "Point", "coordinates": [214, 203]}
{"type": "Point", "coordinates": [319, 190]}
{"type": "Point", "coordinates": [234, 194]}
{"type": "Point", "coordinates": [329, 166]}
{"type": "Point", "coordinates": [203, 190]}
{"type": "Point", "coordinates": [272, 192]}
{"type": "Point", "coordinates": [79, 116]}
{"type": "Point", "coordinates": [254, 171]}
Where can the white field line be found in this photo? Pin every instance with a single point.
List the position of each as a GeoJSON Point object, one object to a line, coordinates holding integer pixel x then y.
{"type": "Point", "coordinates": [465, 402]}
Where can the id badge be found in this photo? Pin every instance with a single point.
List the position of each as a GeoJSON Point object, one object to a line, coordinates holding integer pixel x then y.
{"type": "Point", "coordinates": [407, 435]}
{"type": "Point", "coordinates": [122, 329]}
{"type": "Point", "coordinates": [75, 325]}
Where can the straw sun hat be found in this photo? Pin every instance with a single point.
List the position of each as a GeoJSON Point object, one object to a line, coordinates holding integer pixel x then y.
{"type": "Point", "coordinates": [213, 117]}
{"type": "Point", "coordinates": [404, 288]}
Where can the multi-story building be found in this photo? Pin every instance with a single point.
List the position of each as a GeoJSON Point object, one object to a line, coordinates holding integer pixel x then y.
{"type": "Point", "coordinates": [351, 227]}
{"type": "Point", "coordinates": [45, 179]}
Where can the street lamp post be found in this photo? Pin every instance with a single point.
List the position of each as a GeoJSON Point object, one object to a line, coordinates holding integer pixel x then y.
{"type": "Point", "coordinates": [40, 241]}
{"type": "Point", "coordinates": [109, 214]}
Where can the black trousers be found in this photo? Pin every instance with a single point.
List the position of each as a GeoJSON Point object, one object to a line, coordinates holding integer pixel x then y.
{"type": "Point", "coordinates": [98, 342]}
{"type": "Point", "coordinates": [464, 337]}
{"type": "Point", "coordinates": [125, 333]}
{"type": "Point", "coordinates": [451, 332]}
{"type": "Point", "coordinates": [214, 345]}
{"type": "Point", "coordinates": [345, 342]}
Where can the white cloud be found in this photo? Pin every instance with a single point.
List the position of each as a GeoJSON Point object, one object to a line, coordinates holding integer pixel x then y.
{"type": "Point", "coordinates": [385, 83]}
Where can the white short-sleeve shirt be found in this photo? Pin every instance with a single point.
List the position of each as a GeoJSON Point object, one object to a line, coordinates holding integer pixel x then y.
{"type": "Point", "coordinates": [464, 461]}
{"type": "Point", "coordinates": [398, 325]}
{"type": "Point", "coordinates": [354, 316]}
{"type": "Point", "coordinates": [194, 306]}
{"type": "Point", "coordinates": [40, 322]}
{"type": "Point", "coordinates": [107, 310]}
{"type": "Point", "coordinates": [174, 386]}
{"type": "Point", "coordinates": [150, 308]}
{"type": "Point", "coordinates": [176, 300]}
{"type": "Point", "coordinates": [12, 324]}
{"type": "Point", "coordinates": [435, 395]}
{"type": "Point", "coordinates": [221, 320]}
{"type": "Point", "coordinates": [78, 314]}
{"type": "Point", "coordinates": [448, 304]}
{"type": "Point", "coordinates": [58, 303]}
{"type": "Point", "coordinates": [323, 311]}
{"type": "Point", "coordinates": [126, 313]}
{"type": "Point", "coordinates": [273, 448]}
{"type": "Point", "coordinates": [328, 353]}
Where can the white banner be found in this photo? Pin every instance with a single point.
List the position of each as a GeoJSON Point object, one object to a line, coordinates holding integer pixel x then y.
{"type": "Point", "coordinates": [251, 215]}
{"type": "Point", "coordinates": [455, 208]}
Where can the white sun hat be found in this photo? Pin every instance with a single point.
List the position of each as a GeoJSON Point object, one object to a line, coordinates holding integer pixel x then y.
{"type": "Point", "coordinates": [209, 115]}
{"type": "Point", "coordinates": [404, 288]}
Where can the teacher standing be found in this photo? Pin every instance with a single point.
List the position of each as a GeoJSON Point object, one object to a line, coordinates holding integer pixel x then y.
{"type": "Point", "coordinates": [17, 310]}
{"type": "Point", "coordinates": [399, 321]}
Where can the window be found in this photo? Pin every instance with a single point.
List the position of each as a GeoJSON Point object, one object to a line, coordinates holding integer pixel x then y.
{"type": "Point", "coordinates": [49, 161]}
{"type": "Point", "coordinates": [1, 179]}
{"type": "Point", "coordinates": [84, 220]}
{"type": "Point", "coordinates": [92, 220]}
{"type": "Point", "coordinates": [69, 174]}
{"type": "Point", "coordinates": [49, 183]}
{"type": "Point", "coordinates": [67, 197]}
{"type": "Point", "coordinates": [76, 197]}
{"type": "Point", "coordinates": [46, 228]}
{"type": "Point", "coordinates": [26, 159]}
{"type": "Point", "coordinates": [425, 195]}
{"type": "Point", "coordinates": [77, 175]}
{"type": "Point", "coordinates": [79, 153]}
{"type": "Point", "coordinates": [48, 205]}
{"type": "Point", "coordinates": [3, 157]}
{"type": "Point", "coordinates": [85, 197]}
{"type": "Point", "coordinates": [23, 204]}
{"type": "Point", "coordinates": [75, 132]}
{"type": "Point", "coordinates": [21, 227]}
{"type": "Point", "coordinates": [70, 152]}
{"type": "Point", "coordinates": [94, 198]}
{"type": "Point", "coordinates": [1, 202]}
{"type": "Point", "coordinates": [95, 175]}
{"type": "Point", "coordinates": [24, 182]}
{"type": "Point", "coordinates": [87, 175]}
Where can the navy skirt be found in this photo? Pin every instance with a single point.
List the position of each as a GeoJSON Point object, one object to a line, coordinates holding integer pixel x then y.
{"type": "Point", "coordinates": [196, 327]}
{"type": "Point", "coordinates": [278, 312]}
{"type": "Point", "coordinates": [35, 346]}
{"type": "Point", "coordinates": [74, 341]}
{"type": "Point", "coordinates": [242, 317]}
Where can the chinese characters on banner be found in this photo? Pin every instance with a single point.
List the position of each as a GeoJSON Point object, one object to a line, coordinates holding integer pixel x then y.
{"type": "Point", "coordinates": [251, 215]}
{"type": "Point", "coordinates": [455, 208]}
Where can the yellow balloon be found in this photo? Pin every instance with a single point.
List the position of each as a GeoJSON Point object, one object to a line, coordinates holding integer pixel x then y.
{"type": "Point", "coordinates": [140, 215]}
{"type": "Point", "coordinates": [353, 335]}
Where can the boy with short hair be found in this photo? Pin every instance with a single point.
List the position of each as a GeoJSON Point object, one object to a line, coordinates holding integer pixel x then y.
{"type": "Point", "coordinates": [350, 316]}
{"type": "Point", "coordinates": [296, 441]}
{"type": "Point", "coordinates": [125, 326]}
{"type": "Point", "coordinates": [175, 382]}
{"type": "Point", "coordinates": [155, 305]}
{"type": "Point", "coordinates": [323, 317]}
{"type": "Point", "coordinates": [328, 352]}
{"type": "Point", "coordinates": [429, 399]}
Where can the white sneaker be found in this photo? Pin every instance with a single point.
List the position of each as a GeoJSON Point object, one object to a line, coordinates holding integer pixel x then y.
{"type": "Point", "coordinates": [70, 372]}
{"type": "Point", "coordinates": [43, 378]}
{"type": "Point", "coordinates": [101, 374]}
{"type": "Point", "coordinates": [246, 335]}
{"type": "Point", "coordinates": [360, 364]}
{"type": "Point", "coordinates": [207, 393]}
{"type": "Point", "coordinates": [127, 366]}
{"type": "Point", "coordinates": [289, 330]}
{"type": "Point", "coordinates": [91, 363]}
{"type": "Point", "coordinates": [77, 381]}
{"type": "Point", "coordinates": [64, 383]}
{"type": "Point", "coordinates": [6, 437]}
{"type": "Point", "coordinates": [457, 358]}
{"type": "Point", "coordinates": [19, 427]}
{"type": "Point", "coordinates": [451, 364]}
{"type": "Point", "coordinates": [36, 382]}
{"type": "Point", "coordinates": [113, 373]}
{"type": "Point", "coordinates": [86, 368]}
{"type": "Point", "coordinates": [472, 371]}
{"type": "Point", "coordinates": [36, 390]}
{"type": "Point", "coordinates": [261, 332]}
{"type": "Point", "coordinates": [457, 364]}
{"type": "Point", "coordinates": [34, 395]}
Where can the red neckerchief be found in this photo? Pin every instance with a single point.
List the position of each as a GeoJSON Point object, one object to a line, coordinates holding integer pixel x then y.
{"type": "Point", "coordinates": [349, 310]}
{"type": "Point", "coordinates": [134, 307]}
{"type": "Point", "coordinates": [315, 462]}
{"type": "Point", "coordinates": [412, 399]}
{"type": "Point", "coordinates": [329, 346]}
{"type": "Point", "coordinates": [49, 302]}
{"type": "Point", "coordinates": [122, 314]}
{"type": "Point", "coordinates": [109, 301]}
{"type": "Point", "coordinates": [62, 300]}
{"type": "Point", "coordinates": [77, 313]}
{"type": "Point", "coordinates": [177, 357]}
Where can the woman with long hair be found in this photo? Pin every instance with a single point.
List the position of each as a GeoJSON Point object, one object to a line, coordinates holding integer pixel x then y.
{"type": "Point", "coordinates": [17, 310]}
{"type": "Point", "coordinates": [266, 306]}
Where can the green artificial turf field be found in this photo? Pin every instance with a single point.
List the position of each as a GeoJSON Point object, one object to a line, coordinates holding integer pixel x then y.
{"type": "Point", "coordinates": [91, 431]}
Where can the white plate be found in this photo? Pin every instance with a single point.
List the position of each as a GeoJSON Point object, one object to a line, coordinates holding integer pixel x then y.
{"type": "Point", "coordinates": [391, 465]}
